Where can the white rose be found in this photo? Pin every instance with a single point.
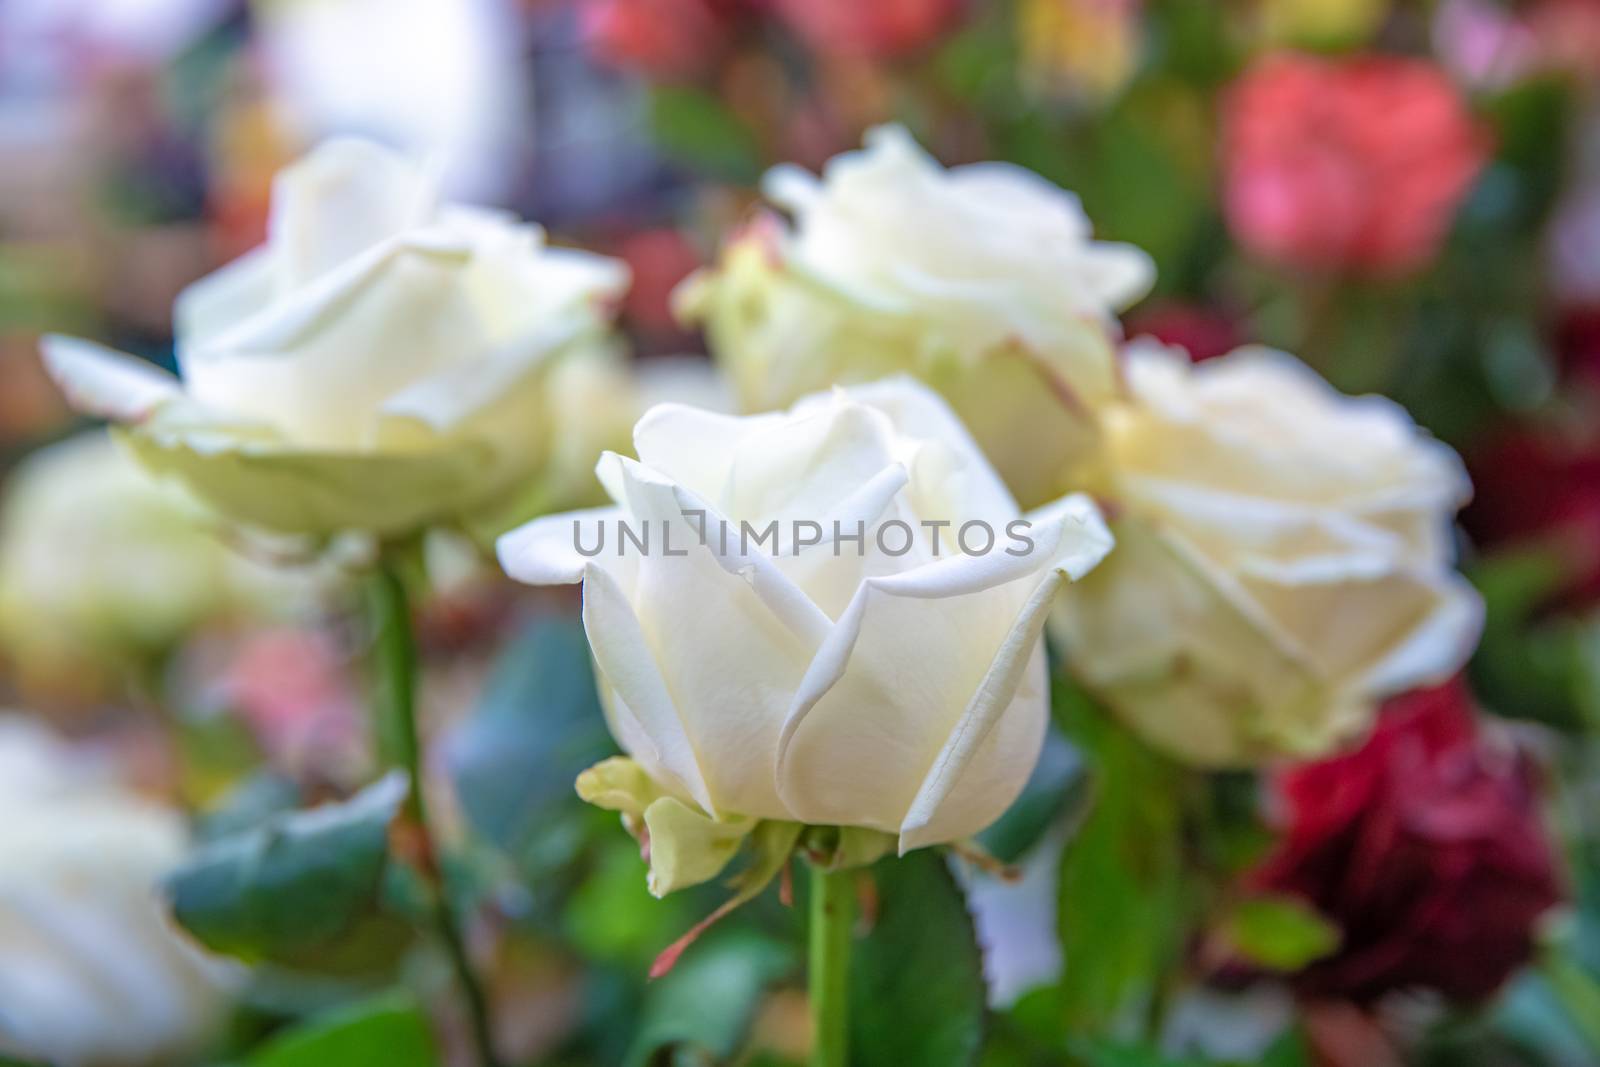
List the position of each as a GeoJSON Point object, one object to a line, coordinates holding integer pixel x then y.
{"type": "Point", "coordinates": [982, 280]}
{"type": "Point", "coordinates": [379, 364]}
{"type": "Point", "coordinates": [103, 566]}
{"type": "Point", "coordinates": [91, 972]}
{"type": "Point", "coordinates": [836, 683]}
{"type": "Point", "coordinates": [1283, 559]}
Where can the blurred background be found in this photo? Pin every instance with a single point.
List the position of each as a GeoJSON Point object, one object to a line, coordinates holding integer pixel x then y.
{"type": "Point", "coordinates": [1406, 194]}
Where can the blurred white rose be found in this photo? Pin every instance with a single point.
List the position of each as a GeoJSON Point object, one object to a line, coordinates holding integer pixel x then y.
{"type": "Point", "coordinates": [895, 682]}
{"type": "Point", "coordinates": [981, 280]}
{"type": "Point", "coordinates": [1283, 559]}
{"type": "Point", "coordinates": [104, 567]}
{"type": "Point", "coordinates": [91, 971]}
{"type": "Point", "coordinates": [380, 364]}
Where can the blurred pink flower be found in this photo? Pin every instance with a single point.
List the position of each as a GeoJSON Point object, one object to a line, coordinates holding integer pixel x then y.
{"type": "Point", "coordinates": [881, 29]}
{"type": "Point", "coordinates": [1489, 45]}
{"type": "Point", "coordinates": [295, 691]}
{"type": "Point", "coordinates": [1353, 164]}
{"type": "Point", "coordinates": [665, 39]}
{"type": "Point", "coordinates": [659, 259]}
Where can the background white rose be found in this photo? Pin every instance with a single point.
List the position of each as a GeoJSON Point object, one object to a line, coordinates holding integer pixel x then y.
{"type": "Point", "coordinates": [102, 566]}
{"type": "Point", "coordinates": [902, 693]}
{"type": "Point", "coordinates": [91, 971]}
{"type": "Point", "coordinates": [1283, 559]}
{"type": "Point", "coordinates": [982, 280]}
{"type": "Point", "coordinates": [379, 364]}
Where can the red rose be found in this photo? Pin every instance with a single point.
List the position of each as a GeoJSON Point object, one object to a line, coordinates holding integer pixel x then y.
{"type": "Point", "coordinates": [1540, 489]}
{"type": "Point", "coordinates": [1425, 846]}
{"type": "Point", "coordinates": [1203, 332]}
{"type": "Point", "coordinates": [666, 39]}
{"type": "Point", "coordinates": [881, 29]}
{"type": "Point", "coordinates": [1355, 164]}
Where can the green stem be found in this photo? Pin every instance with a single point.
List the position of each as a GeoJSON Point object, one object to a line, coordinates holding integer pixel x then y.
{"type": "Point", "coordinates": [395, 650]}
{"type": "Point", "coordinates": [832, 915]}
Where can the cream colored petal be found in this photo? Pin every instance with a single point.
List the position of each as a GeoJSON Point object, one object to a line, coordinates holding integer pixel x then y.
{"type": "Point", "coordinates": [557, 549]}
{"type": "Point", "coordinates": [101, 381]}
{"type": "Point", "coordinates": [1362, 617]}
{"type": "Point", "coordinates": [731, 637]}
{"type": "Point", "coordinates": [626, 664]}
{"type": "Point", "coordinates": [1186, 656]}
{"type": "Point", "coordinates": [915, 648]}
{"type": "Point", "coordinates": [260, 482]}
{"type": "Point", "coordinates": [321, 364]}
{"type": "Point", "coordinates": [345, 197]}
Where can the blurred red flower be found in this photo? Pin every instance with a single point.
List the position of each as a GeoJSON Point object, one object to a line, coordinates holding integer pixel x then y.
{"type": "Point", "coordinates": [1541, 489]}
{"type": "Point", "coordinates": [659, 259]}
{"type": "Point", "coordinates": [1425, 846]}
{"type": "Point", "coordinates": [881, 29]}
{"type": "Point", "coordinates": [1202, 331]}
{"type": "Point", "coordinates": [1353, 164]}
{"type": "Point", "coordinates": [664, 39]}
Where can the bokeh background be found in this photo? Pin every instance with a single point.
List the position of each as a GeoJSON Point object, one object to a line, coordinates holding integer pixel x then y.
{"type": "Point", "coordinates": [1405, 194]}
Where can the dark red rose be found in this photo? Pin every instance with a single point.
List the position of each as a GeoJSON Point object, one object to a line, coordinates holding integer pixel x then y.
{"type": "Point", "coordinates": [1203, 332]}
{"type": "Point", "coordinates": [1540, 489]}
{"type": "Point", "coordinates": [1578, 342]}
{"type": "Point", "coordinates": [1354, 164]}
{"type": "Point", "coordinates": [1425, 846]}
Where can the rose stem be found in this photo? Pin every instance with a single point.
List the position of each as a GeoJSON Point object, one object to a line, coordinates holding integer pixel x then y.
{"type": "Point", "coordinates": [832, 915]}
{"type": "Point", "coordinates": [395, 651]}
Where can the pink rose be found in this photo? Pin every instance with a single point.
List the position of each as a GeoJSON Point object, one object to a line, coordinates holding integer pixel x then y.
{"type": "Point", "coordinates": [1352, 164]}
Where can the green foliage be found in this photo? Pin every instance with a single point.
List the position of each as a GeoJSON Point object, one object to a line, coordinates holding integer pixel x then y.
{"type": "Point", "coordinates": [303, 889]}
{"type": "Point", "coordinates": [695, 128]}
{"type": "Point", "coordinates": [537, 726]}
{"type": "Point", "coordinates": [1280, 933]}
{"type": "Point", "coordinates": [386, 1032]}
{"type": "Point", "coordinates": [703, 1009]}
{"type": "Point", "coordinates": [916, 980]}
{"type": "Point", "coordinates": [1122, 908]}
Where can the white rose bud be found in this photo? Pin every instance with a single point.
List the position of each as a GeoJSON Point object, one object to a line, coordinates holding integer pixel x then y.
{"type": "Point", "coordinates": [92, 974]}
{"type": "Point", "coordinates": [1283, 560]}
{"type": "Point", "coordinates": [981, 280]}
{"type": "Point", "coordinates": [379, 364]}
{"type": "Point", "coordinates": [836, 621]}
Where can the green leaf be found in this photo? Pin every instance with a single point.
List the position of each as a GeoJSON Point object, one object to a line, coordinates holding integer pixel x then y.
{"type": "Point", "coordinates": [386, 1032]}
{"type": "Point", "coordinates": [537, 726]}
{"type": "Point", "coordinates": [1122, 910]}
{"type": "Point", "coordinates": [916, 980]}
{"type": "Point", "coordinates": [1093, 1053]}
{"type": "Point", "coordinates": [703, 1009]}
{"type": "Point", "coordinates": [1280, 933]}
{"type": "Point", "coordinates": [699, 130]}
{"type": "Point", "coordinates": [302, 889]}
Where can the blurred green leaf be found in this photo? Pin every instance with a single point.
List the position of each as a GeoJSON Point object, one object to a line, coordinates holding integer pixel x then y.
{"type": "Point", "coordinates": [1059, 783]}
{"type": "Point", "coordinates": [917, 993]}
{"type": "Point", "coordinates": [703, 1008]}
{"type": "Point", "coordinates": [387, 1032]}
{"type": "Point", "coordinates": [698, 130]}
{"type": "Point", "coordinates": [1122, 908]}
{"type": "Point", "coordinates": [536, 727]}
{"type": "Point", "coordinates": [1280, 933]}
{"type": "Point", "coordinates": [302, 889]}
